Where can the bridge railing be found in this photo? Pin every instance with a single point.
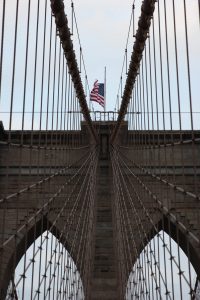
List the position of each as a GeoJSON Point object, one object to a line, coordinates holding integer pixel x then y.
{"type": "Point", "coordinates": [104, 116]}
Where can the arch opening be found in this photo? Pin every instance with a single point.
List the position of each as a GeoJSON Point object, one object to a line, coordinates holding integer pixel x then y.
{"type": "Point", "coordinates": [163, 271]}
{"type": "Point", "coordinates": [46, 271]}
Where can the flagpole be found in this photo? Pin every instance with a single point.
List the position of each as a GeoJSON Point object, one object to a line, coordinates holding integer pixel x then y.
{"type": "Point", "coordinates": [105, 89]}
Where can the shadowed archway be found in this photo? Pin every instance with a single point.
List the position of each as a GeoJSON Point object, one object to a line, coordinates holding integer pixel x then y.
{"type": "Point", "coordinates": [46, 270]}
{"type": "Point", "coordinates": [39, 258]}
{"type": "Point", "coordinates": [165, 268]}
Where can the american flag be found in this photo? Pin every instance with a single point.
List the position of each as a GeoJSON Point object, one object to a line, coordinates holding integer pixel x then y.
{"type": "Point", "coordinates": [97, 93]}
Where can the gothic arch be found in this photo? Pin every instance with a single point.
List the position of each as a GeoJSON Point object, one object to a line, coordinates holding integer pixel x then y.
{"type": "Point", "coordinates": [28, 238]}
{"type": "Point", "coordinates": [171, 228]}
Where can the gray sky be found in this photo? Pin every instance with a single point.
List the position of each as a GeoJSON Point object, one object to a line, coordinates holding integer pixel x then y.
{"type": "Point", "coordinates": [103, 27]}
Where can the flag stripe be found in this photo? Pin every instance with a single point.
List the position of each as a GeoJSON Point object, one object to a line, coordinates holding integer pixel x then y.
{"type": "Point", "coordinates": [97, 93]}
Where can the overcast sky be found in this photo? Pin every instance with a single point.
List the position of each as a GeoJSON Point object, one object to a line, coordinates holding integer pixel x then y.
{"type": "Point", "coordinates": [103, 27]}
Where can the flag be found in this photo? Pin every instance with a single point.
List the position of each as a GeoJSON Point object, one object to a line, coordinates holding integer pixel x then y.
{"type": "Point", "coordinates": [97, 93]}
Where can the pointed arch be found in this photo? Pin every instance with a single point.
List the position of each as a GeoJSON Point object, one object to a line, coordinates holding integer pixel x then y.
{"type": "Point", "coordinates": [37, 236]}
{"type": "Point", "coordinates": [168, 255]}
{"type": "Point", "coordinates": [181, 237]}
{"type": "Point", "coordinates": [53, 272]}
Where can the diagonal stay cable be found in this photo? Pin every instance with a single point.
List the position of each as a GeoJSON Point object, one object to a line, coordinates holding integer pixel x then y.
{"type": "Point", "coordinates": [46, 205]}
{"type": "Point", "coordinates": [42, 147]}
{"type": "Point", "coordinates": [166, 182]}
{"type": "Point", "coordinates": [67, 221]}
{"type": "Point", "coordinates": [51, 227]}
{"type": "Point", "coordinates": [58, 11]}
{"type": "Point", "coordinates": [40, 182]}
{"type": "Point", "coordinates": [140, 39]}
{"type": "Point", "coordinates": [140, 227]}
{"type": "Point", "coordinates": [163, 208]}
{"type": "Point", "coordinates": [54, 223]}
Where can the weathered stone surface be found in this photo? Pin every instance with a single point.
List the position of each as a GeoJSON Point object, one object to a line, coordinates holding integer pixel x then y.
{"type": "Point", "coordinates": [176, 167]}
